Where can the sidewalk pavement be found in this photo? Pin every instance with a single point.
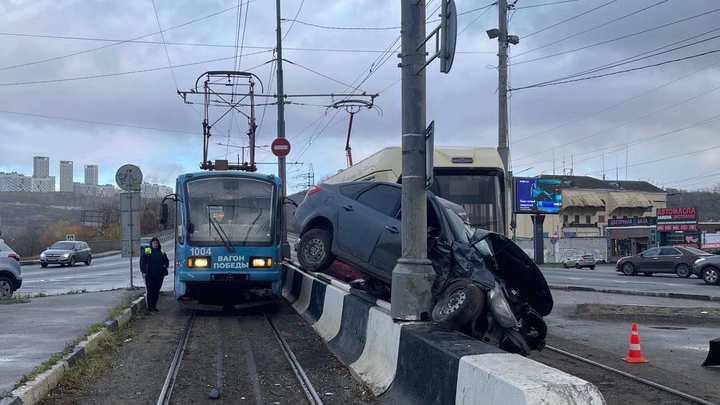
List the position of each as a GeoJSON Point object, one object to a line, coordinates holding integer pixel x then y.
{"type": "Point", "coordinates": [32, 332]}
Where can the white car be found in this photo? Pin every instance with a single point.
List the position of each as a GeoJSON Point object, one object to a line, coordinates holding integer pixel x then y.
{"type": "Point", "coordinates": [579, 262]}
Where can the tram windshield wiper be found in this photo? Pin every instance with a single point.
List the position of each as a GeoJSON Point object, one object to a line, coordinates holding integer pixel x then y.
{"type": "Point", "coordinates": [221, 232]}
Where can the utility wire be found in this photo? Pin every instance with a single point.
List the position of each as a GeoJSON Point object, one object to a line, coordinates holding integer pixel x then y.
{"type": "Point", "coordinates": [317, 73]}
{"type": "Point", "coordinates": [292, 24]}
{"type": "Point", "coordinates": [637, 58]}
{"type": "Point", "coordinates": [593, 28]}
{"type": "Point", "coordinates": [698, 55]}
{"type": "Point", "coordinates": [113, 42]}
{"type": "Point", "coordinates": [576, 16]}
{"type": "Point", "coordinates": [167, 54]}
{"type": "Point", "coordinates": [340, 28]}
{"type": "Point", "coordinates": [91, 122]}
{"type": "Point", "coordinates": [552, 3]}
{"type": "Point", "coordinates": [618, 104]}
{"type": "Point", "coordinates": [104, 75]}
{"type": "Point", "coordinates": [607, 41]}
{"type": "Point", "coordinates": [665, 158]}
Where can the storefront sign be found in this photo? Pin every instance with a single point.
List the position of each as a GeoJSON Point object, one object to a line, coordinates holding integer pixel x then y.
{"type": "Point", "coordinates": [635, 221]}
{"type": "Point", "coordinates": [676, 214]}
{"type": "Point", "coordinates": [711, 241]}
{"type": "Point", "coordinates": [677, 220]}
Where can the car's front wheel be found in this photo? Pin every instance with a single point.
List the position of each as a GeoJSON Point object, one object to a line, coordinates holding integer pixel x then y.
{"type": "Point", "coordinates": [711, 275]}
{"type": "Point", "coordinates": [43, 265]}
{"type": "Point", "coordinates": [314, 250]}
{"type": "Point", "coordinates": [72, 262]}
{"type": "Point", "coordinates": [628, 269]}
{"type": "Point", "coordinates": [6, 287]}
{"type": "Point", "coordinates": [682, 270]}
{"type": "Point", "coordinates": [459, 304]}
{"type": "Point", "coordinates": [88, 261]}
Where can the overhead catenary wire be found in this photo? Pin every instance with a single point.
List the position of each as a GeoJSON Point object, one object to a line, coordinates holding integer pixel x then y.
{"type": "Point", "coordinates": [593, 28]}
{"type": "Point", "coordinates": [619, 38]}
{"type": "Point", "coordinates": [551, 3]}
{"type": "Point", "coordinates": [571, 18]}
{"type": "Point", "coordinates": [162, 37]}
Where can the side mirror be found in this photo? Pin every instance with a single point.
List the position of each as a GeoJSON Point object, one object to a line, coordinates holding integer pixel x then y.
{"type": "Point", "coordinates": [164, 214]}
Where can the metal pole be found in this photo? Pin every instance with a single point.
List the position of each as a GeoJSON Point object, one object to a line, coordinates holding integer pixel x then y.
{"type": "Point", "coordinates": [284, 245]}
{"type": "Point", "coordinates": [348, 149]}
{"type": "Point", "coordinates": [132, 286]}
{"type": "Point", "coordinates": [503, 142]}
{"type": "Point", "coordinates": [413, 274]}
{"type": "Point", "coordinates": [538, 239]}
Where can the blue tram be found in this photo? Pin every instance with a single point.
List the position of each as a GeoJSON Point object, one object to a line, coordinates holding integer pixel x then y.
{"type": "Point", "coordinates": [227, 237]}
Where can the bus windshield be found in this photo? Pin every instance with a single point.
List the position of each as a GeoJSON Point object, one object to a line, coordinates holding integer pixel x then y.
{"type": "Point", "coordinates": [230, 210]}
{"type": "Point", "coordinates": [480, 195]}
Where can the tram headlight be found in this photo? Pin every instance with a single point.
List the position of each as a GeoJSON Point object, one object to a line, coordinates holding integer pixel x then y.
{"type": "Point", "coordinates": [198, 262]}
{"type": "Point", "coordinates": [261, 262]}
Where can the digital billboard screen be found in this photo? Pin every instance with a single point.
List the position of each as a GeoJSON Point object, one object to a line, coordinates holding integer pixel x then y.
{"type": "Point", "coordinates": [537, 196]}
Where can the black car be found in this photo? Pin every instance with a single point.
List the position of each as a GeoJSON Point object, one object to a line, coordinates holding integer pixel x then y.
{"type": "Point", "coordinates": [664, 259]}
{"type": "Point", "coordinates": [485, 284]}
{"type": "Point", "coordinates": [708, 268]}
{"type": "Point", "coordinates": [66, 253]}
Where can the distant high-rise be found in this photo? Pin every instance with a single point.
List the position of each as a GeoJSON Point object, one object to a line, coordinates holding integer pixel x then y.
{"type": "Point", "coordinates": [43, 184]}
{"type": "Point", "coordinates": [66, 176]}
{"type": "Point", "coordinates": [41, 167]}
{"type": "Point", "coordinates": [91, 175]}
{"type": "Point", "coordinates": [14, 182]}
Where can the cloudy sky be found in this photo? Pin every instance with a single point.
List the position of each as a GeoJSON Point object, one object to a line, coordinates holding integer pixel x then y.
{"type": "Point", "coordinates": [73, 91]}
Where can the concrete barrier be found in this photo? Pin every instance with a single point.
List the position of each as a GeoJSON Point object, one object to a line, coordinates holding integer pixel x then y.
{"type": "Point", "coordinates": [420, 363]}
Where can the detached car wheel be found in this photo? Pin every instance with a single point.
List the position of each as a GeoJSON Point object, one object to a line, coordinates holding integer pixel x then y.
{"type": "Point", "coordinates": [314, 250]}
{"type": "Point", "coordinates": [459, 304]}
{"type": "Point", "coordinates": [6, 288]}
{"type": "Point", "coordinates": [711, 275]}
{"type": "Point", "coordinates": [628, 269]}
{"type": "Point", "coordinates": [682, 270]}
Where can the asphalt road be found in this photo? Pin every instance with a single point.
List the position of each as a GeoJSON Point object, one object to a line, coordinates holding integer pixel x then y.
{"type": "Point", "coordinates": [605, 277]}
{"type": "Point", "coordinates": [106, 273]}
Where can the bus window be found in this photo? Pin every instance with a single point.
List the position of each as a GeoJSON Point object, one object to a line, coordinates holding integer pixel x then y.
{"type": "Point", "coordinates": [237, 209]}
{"type": "Point", "coordinates": [479, 194]}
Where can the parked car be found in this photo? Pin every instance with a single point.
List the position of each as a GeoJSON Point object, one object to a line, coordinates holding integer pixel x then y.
{"type": "Point", "coordinates": [664, 259]}
{"type": "Point", "coordinates": [66, 253]}
{"type": "Point", "coordinates": [708, 268]}
{"type": "Point", "coordinates": [485, 284]}
{"type": "Point", "coordinates": [10, 272]}
{"type": "Point", "coordinates": [580, 262]}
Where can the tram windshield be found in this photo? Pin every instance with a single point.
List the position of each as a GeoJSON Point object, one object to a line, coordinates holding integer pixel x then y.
{"type": "Point", "coordinates": [230, 210]}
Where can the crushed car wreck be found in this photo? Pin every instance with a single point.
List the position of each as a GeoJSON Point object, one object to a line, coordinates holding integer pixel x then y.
{"type": "Point", "coordinates": [485, 286]}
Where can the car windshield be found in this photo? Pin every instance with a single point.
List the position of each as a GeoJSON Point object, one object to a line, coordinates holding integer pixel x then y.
{"type": "Point", "coordinates": [697, 251]}
{"type": "Point", "coordinates": [232, 210]}
{"type": "Point", "coordinates": [63, 245]}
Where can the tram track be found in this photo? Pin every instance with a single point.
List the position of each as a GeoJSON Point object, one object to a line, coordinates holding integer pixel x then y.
{"type": "Point", "coordinates": [649, 383]}
{"type": "Point", "coordinates": [169, 394]}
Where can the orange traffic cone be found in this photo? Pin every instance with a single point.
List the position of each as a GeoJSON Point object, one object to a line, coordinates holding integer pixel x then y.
{"type": "Point", "coordinates": [634, 354]}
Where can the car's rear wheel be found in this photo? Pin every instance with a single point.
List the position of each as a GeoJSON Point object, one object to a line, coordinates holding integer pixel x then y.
{"type": "Point", "coordinates": [711, 275]}
{"type": "Point", "coordinates": [682, 270]}
{"type": "Point", "coordinates": [314, 250]}
{"type": "Point", "coordinates": [592, 267]}
{"type": "Point", "coordinates": [628, 269]}
{"type": "Point", "coordinates": [6, 287]}
{"type": "Point", "coordinates": [459, 304]}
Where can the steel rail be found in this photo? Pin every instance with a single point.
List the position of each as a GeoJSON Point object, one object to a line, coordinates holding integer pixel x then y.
{"type": "Point", "coordinates": [167, 388]}
{"type": "Point", "coordinates": [310, 393]}
{"type": "Point", "coordinates": [633, 377]}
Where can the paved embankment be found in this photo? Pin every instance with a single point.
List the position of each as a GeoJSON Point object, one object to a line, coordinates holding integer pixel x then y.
{"type": "Point", "coordinates": [32, 332]}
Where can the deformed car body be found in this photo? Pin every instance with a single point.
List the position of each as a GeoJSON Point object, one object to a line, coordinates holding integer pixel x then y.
{"type": "Point", "coordinates": [485, 284]}
{"type": "Point", "coordinates": [66, 253]}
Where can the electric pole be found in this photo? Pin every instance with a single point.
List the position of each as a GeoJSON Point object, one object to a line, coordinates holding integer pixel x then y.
{"type": "Point", "coordinates": [413, 274]}
{"type": "Point", "coordinates": [504, 41]}
{"type": "Point", "coordinates": [284, 245]}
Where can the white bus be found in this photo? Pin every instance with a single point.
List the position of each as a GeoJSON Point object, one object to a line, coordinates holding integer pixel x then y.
{"type": "Point", "coordinates": [471, 177]}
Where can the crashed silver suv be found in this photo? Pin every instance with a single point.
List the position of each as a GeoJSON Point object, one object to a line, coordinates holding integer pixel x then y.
{"type": "Point", "coordinates": [10, 273]}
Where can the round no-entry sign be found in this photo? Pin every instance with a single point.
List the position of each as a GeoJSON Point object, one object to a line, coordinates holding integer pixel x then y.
{"type": "Point", "coordinates": [280, 147]}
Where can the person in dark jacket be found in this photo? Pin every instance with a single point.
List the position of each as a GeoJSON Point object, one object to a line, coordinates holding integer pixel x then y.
{"type": "Point", "coordinates": [154, 268]}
